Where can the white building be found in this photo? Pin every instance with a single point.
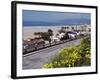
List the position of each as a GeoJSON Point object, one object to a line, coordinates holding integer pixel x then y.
{"type": "Point", "coordinates": [77, 27]}
{"type": "Point", "coordinates": [28, 32]}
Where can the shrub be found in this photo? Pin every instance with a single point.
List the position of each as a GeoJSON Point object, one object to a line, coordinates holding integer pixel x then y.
{"type": "Point", "coordinates": [70, 57]}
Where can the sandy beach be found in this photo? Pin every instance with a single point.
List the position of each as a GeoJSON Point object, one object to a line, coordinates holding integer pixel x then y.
{"type": "Point", "coordinates": [28, 32]}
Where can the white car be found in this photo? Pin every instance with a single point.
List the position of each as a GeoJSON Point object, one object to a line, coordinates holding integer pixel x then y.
{"type": "Point", "coordinates": [72, 35]}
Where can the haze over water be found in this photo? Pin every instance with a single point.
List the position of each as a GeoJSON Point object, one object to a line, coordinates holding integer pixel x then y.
{"type": "Point", "coordinates": [50, 18]}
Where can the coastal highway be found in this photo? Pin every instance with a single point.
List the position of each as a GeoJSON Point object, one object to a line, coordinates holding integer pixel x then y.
{"type": "Point", "coordinates": [37, 59]}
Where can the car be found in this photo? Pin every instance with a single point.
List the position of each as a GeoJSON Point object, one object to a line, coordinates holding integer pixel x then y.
{"type": "Point", "coordinates": [72, 35]}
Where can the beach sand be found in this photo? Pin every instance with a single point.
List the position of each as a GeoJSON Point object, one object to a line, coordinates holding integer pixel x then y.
{"type": "Point", "coordinates": [28, 32]}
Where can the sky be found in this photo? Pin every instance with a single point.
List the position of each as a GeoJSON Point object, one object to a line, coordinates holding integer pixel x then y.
{"type": "Point", "coordinates": [52, 18]}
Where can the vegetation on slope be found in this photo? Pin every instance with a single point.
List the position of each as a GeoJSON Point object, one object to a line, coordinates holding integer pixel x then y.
{"type": "Point", "coordinates": [75, 56]}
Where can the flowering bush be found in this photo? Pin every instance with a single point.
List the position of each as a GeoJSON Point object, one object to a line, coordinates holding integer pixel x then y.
{"type": "Point", "coordinates": [71, 57]}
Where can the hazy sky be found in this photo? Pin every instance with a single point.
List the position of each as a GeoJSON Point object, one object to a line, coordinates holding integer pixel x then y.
{"type": "Point", "coordinates": [31, 17]}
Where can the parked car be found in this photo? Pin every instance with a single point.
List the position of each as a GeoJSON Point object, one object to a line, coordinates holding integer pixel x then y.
{"type": "Point", "coordinates": [72, 35]}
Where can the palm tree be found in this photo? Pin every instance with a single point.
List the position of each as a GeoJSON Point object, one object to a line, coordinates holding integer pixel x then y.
{"type": "Point", "coordinates": [62, 30]}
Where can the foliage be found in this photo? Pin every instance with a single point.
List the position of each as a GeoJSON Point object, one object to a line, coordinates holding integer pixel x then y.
{"type": "Point", "coordinates": [45, 35]}
{"type": "Point", "coordinates": [50, 32]}
{"type": "Point", "coordinates": [71, 57]}
{"type": "Point", "coordinates": [62, 30]}
{"type": "Point", "coordinates": [38, 33]}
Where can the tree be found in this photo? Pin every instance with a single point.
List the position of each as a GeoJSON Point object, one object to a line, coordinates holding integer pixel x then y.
{"type": "Point", "coordinates": [45, 35]}
{"type": "Point", "coordinates": [38, 33]}
{"type": "Point", "coordinates": [62, 30]}
{"type": "Point", "coordinates": [50, 32]}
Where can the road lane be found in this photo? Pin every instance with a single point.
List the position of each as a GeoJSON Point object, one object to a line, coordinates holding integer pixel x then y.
{"type": "Point", "coordinates": [37, 59]}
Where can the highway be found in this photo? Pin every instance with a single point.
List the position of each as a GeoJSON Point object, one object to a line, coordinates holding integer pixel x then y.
{"type": "Point", "coordinates": [37, 59]}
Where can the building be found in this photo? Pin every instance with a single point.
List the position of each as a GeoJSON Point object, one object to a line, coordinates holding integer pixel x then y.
{"type": "Point", "coordinates": [28, 32]}
{"type": "Point", "coordinates": [86, 28]}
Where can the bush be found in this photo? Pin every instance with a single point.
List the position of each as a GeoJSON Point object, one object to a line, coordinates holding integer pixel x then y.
{"type": "Point", "coordinates": [71, 57]}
